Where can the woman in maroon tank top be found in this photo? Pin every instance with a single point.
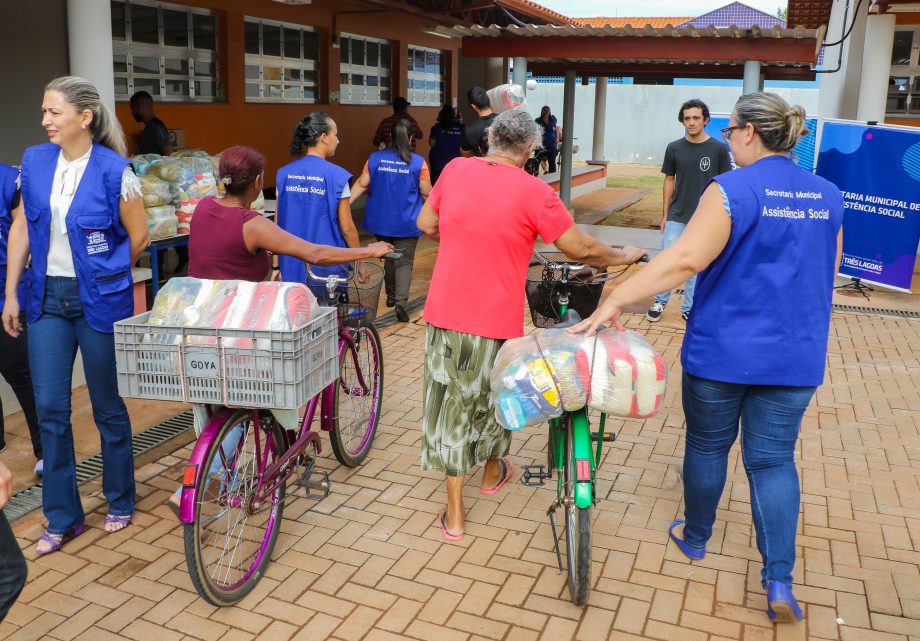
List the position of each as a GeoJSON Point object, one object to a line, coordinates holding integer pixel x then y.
{"type": "Point", "coordinates": [230, 241]}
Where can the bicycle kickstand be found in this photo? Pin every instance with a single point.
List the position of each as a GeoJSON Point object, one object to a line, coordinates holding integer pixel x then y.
{"type": "Point", "coordinates": [315, 490]}
{"type": "Point", "coordinates": [551, 513]}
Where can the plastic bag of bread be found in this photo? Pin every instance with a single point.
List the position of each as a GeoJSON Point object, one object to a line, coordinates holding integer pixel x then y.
{"type": "Point", "coordinates": [155, 191]}
{"type": "Point", "coordinates": [161, 221]}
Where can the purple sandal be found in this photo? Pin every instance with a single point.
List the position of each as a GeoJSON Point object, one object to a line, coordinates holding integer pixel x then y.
{"type": "Point", "coordinates": [57, 540]}
{"type": "Point", "coordinates": [122, 521]}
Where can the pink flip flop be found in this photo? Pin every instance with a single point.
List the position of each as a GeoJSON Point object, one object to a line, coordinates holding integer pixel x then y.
{"type": "Point", "coordinates": [442, 520]}
{"type": "Point", "coordinates": [507, 468]}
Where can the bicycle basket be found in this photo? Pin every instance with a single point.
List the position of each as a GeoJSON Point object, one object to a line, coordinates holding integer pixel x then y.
{"type": "Point", "coordinates": [544, 290]}
{"type": "Point", "coordinates": [362, 298]}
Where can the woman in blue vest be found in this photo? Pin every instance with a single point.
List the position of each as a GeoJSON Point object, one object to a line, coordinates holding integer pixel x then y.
{"type": "Point", "coordinates": [313, 198]}
{"type": "Point", "coordinates": [84, 227]}
{"type": "Point", "coordinates": [397, 182]}
{"type": "Point", "coordinates": [766, 239]}
{"type": "Point", "coordinates": [446, 136]}
{"type": "Point", "coordinates": [14, 352]}
{"type": "Point", "coordinates": [550, 139]}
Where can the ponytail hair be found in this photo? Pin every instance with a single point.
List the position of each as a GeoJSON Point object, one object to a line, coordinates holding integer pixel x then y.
{"type": "Point", "coordinates": [307, 132]}
{"type": "Point", "coordinates": [779, 124]}
{"type": "Point", "coordinates": [83, 95]}
{"type": "Point", "coordinates": [399, 140]}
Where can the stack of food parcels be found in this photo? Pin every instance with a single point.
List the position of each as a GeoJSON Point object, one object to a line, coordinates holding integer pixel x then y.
{"type": "Point", "coordinates": [540, 376]}
{"type": "Point", "coordinates": [189, 176]}
{"type": "Point", "coordinates": [230, 304]}
{"type": "Point", "coordinates": [161, 214]}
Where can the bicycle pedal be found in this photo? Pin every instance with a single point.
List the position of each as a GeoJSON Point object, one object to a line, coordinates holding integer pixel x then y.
{"type": "Point", "coordinates": [608, 437]}
{"type": "Point", "coordinates": [534, 475]}
{"type": "Point", "coordinates": [315, 490]}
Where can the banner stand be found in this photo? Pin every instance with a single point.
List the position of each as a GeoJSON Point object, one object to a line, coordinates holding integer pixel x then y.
{"type": "Point", "coordinates": [856, 284]}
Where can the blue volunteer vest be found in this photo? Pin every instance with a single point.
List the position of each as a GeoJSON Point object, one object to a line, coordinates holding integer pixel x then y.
{"type": "Point", "coordinates": [8, 176]}
{"type": "Point", "coordinates": [762, 309]}
{"type": "Point", "coordinates": [393, 200]}
{"type": "Point", "coordinates": [100, 245]}
{"type": "Point", "coordinates": [447, 145]}
{"type": "Point", "coordinates": [308, 192]}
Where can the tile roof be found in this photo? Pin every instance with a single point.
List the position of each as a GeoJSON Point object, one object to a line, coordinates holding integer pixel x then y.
{"type": "Point", "coordinates": [737, 14]}
{"type": "Point", "coordinates": [535, 10]}
{"type": "Point", "coordinates": [656, 22]}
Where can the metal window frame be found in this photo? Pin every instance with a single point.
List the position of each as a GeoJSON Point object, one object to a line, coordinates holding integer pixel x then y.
{"type": "Point", "coordinates": [425, 100]}
{"type": "Point", "coordinates": [384, 94]}
{"type": "Point", "coordinates": [284, 63]}
{"type": "Point", "coordinates": [190, 55]}
{"type": "Point", "coordinates": [912, 73]}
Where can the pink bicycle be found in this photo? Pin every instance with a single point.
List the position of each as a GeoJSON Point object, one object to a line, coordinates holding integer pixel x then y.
{"type": "Point", "coordinates": [235, 485]}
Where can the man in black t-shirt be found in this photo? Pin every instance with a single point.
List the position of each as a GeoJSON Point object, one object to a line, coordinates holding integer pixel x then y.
{"type": "Point", "coordinates": [476, 142]}
{"type": "Point", "coordinates": [689, 164]}
{"type": "Point", "coordinates": [154, 139]}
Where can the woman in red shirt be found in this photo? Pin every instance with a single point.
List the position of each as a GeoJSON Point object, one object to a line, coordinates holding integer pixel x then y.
{"type": "Point", "coordinates": [487, 213]}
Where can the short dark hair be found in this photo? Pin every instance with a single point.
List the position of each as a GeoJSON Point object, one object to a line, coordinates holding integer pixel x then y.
{"type": "Point", "coordinates": [400, 104]}
{"type": "Point", "coordinates": [691, 104]}
{"type": "Point", "coordinates": [141, 96]}
{"type": "Point", "coordinates": [478, 97]}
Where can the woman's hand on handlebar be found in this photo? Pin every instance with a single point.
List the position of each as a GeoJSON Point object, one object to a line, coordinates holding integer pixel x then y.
{"type": "Point", "coordinates": [380, 248]}
{"type": "Point", "coordinates": [633, 254]}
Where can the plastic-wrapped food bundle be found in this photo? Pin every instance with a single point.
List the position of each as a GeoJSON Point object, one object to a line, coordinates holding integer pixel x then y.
{"type": "Point", "coordinates": [161, 221]}
{"type": "Point", "coordinates": [628, 377]}
{"type": "Point", "coordinates": [155, 191]}
{"type": "Point", "coordinates": [143, 162]}
{"type": "Point", "coordinates": [535, 378]}
{"type": "Point", "coordinates": [190, 153]}
{"type": "Point", "coordinates": [505, 97]}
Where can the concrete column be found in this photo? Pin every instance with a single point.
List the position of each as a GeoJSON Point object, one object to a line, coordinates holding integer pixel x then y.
{"type": "Point", "coordinates": [839, 91]}
{"type": "Point", "coordinates": [876, 67]}
{"type": "Point", "coordinates": [753, 80]}
{"type": "Point", "coordinates": [519, 72]}
{"type": "Point", "coordinates": [89, 34]}
{"type": "Point", "coordinates": [495, 72]}
{"type": "Point", "coordinates": [600, 118]}
{"type": "Point", "coordinates": [568, 138]}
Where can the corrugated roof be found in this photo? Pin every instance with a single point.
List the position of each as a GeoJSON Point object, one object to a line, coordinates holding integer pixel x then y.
{"type": "Point", "coordinates": [657, 22]}
{"type": "Point", "coordinates": [531, 31]}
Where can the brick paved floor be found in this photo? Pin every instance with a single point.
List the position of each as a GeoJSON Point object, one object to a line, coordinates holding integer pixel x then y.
{"type": "Point", "coordinates": [368, 563]}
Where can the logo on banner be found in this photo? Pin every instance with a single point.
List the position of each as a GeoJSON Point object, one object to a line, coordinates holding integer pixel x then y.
{"type": "Point", "coordinates": [705, 163]}
{"type": "Point", "coordinates": [96, 243]}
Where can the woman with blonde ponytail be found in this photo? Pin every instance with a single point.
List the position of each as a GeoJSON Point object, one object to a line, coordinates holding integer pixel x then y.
{"type": "Point", "coordinates": [84, 227]}
{"type": "Point", "coordinates": [766, 239]}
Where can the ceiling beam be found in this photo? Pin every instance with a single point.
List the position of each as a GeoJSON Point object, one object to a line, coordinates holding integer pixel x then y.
{"type": "Point", "coordinates": [622, 70]}
{"type": "Point", "coordinates": [722, 49]}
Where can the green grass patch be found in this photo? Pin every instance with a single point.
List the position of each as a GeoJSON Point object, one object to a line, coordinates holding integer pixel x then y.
{"type": "Point", "coordinates": [636, 182]}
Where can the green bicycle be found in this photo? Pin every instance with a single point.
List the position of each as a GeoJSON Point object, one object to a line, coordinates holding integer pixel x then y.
{"type": "Point", "coordinates": [559, 293]}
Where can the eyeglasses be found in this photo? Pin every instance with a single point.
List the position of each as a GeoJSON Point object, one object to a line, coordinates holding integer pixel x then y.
{"type": "Point", "coordinates": [727, 132]}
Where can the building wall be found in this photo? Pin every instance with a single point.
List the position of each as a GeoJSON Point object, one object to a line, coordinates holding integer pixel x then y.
{"type": "Point", "coordinates": [45, 49]}
{"type": "Point", "coordinates": [642, 119]}
{"type": "Point", "coordinates": [268, 127]}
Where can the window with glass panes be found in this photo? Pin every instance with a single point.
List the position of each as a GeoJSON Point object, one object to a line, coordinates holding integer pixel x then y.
{"type": "Point", "coordinates": [426, 76]}
{"type": "Point", "coordinates": [169, 51]}
{"type": "Point", "coordinates": [365, 70]}
{"type": "Point", "coordinates": [282, 62]}
{"type": "Point", "coordinates": [904, 78]}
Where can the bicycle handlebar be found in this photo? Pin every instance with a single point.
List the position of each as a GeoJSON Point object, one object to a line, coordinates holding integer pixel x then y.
{"type": "Point", "coordinates": [333, 280]}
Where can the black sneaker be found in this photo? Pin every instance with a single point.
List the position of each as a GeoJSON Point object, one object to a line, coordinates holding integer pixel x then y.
{"type": "Point", "coordinates": [685, 316]}
{"type": "Point", "coordinates": [390, 301]}
{"type": "Point", "coordinates": [401, 315]}
{"type": "Point", "coordinates": [654, 312]}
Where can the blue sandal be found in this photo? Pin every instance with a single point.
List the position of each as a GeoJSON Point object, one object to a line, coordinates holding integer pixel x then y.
{"type": "Point", "coordinates": [781, 604]}
{"type": "Point", "coordinates": [689, 551]}
{"type": "Point", "coordinates": [113, 519]}
{"type": "Point", "coordinates": [55, 541]}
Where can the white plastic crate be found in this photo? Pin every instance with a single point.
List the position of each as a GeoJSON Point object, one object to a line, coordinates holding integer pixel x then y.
{"type": "Point", "coordinates": [236, 368]}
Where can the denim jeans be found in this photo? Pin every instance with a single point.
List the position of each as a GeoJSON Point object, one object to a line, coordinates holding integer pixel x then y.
{"type": "Point", "coordinates": [770, 418]}
{"type": "Point", "coordinates": [53, 342]}
{"type": "Point", "coordinates": [672, 231]}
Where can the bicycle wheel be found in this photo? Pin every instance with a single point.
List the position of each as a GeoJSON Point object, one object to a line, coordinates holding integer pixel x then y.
{"type": "Point", "coordinates": [231, 540]}
{"type": "Point", "coordinates": [358, 396]}
{"type": "Point", "coordinates": [577, 530]}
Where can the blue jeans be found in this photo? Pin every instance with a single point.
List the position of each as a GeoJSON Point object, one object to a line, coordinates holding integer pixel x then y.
{"type": "Point", "coordinates": [672, 231]}
{"type": "Point", "coordinates": [770, 418]}
{"type": "Point", "coordinates": [53, 342]}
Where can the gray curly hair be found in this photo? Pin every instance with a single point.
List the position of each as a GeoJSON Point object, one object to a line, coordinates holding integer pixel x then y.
{"type": "Point", "coordinates": [514, 132]}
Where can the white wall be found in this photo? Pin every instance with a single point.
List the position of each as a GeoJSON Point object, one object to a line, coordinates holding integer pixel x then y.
{"type": "Point", "coordinates": [642, 119]}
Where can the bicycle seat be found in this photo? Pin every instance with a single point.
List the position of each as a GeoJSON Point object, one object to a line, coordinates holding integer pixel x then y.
{"type": "Point", "coordinates": [571, 317]}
